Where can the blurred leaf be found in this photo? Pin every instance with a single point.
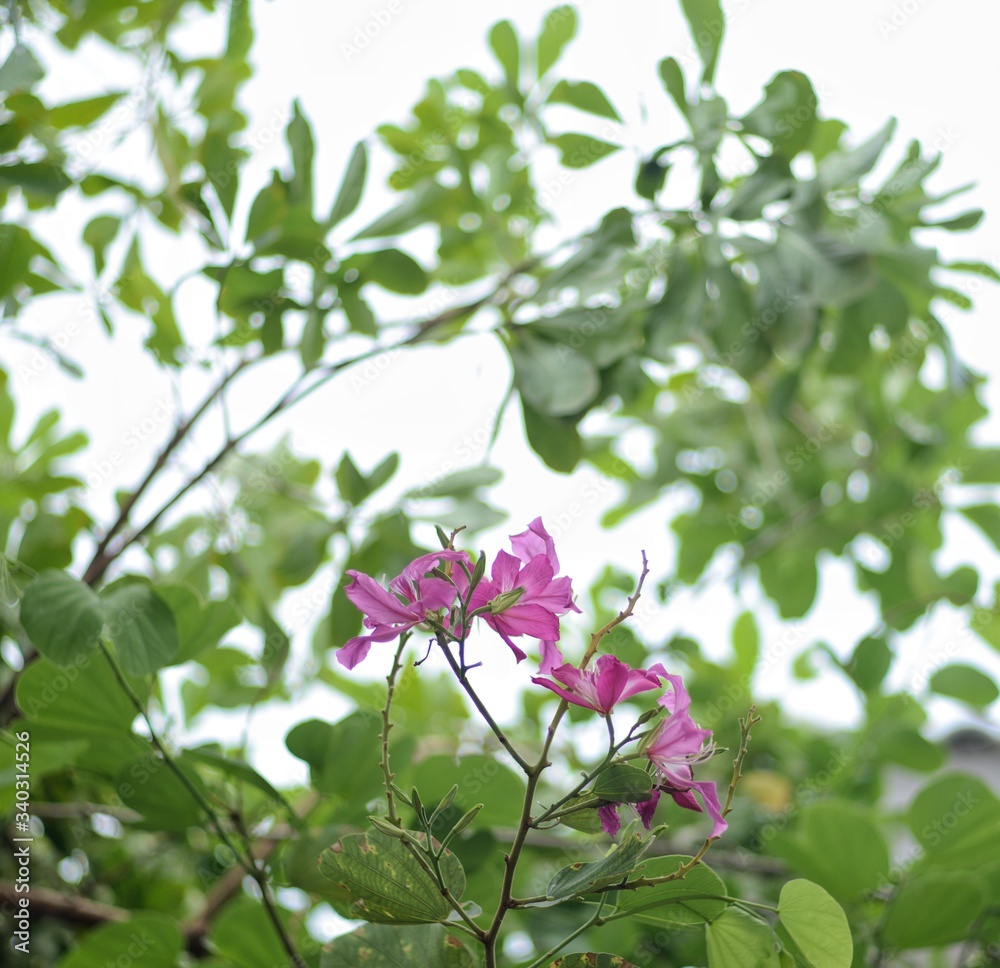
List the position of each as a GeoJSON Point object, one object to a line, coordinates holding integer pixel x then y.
{"type": "Point", "coordinates": [351, 187]}
{"type": "Point", "coordinates": [554, 378]}
{"type": "Point", "coordinates": [558, 29]}
{"type": "Point", "coordinates": [504, 44]}
{"type": "Point", "coordinates": [20, 70]}
{"type": "Point", "coordinates": [141, 625]}
{"type": "Point", "coordinates": [585, 96]}
{"type": "Point", "coordinates": [615, 866]}
{"type": "Point", "coordinates": [160, 940]}
{"type": "Point", "coordinates": [556, 441]}
{"type": "Point", "coordinates": [673, 80]}
{"type": "Point", "coordinates": [62, 616]}
{"type": "Point", "coordinates": [934, 909]}
{"type": "Point", "coordinates": [581, 150]}
{"type": "Point", "coordinates": [621, 783]}
{"type": "Point", "coordinates": [675, 902]}
{"type": "Point", "coordinates": [707, 24]}
{"type": "Point", "coordinates": [966, 684]}
{"type": "Point", "coordinates": [786, 114]}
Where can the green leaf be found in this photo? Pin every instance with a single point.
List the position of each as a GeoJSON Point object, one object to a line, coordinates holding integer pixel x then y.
{"type": "Point", "coordinates": [200, 625]}
{"type": "Point", "coordinates": [504, 44]}
{"type": "Point", "coordinates": [303, 147]}
{"type": "Point", "coordinates": [555, 440]}
{"type": "Point", "coordinates": [869, 663]}
{"type": "Point", "coordinates": [150, 787]}
{"type": "Point", "coordinates": [62, 616]}
{"type": "Point", "coordinates": [746, 643]}
{"type": "Point", "coordinates": [956, 820]}
{"type": "Point", "coordinates": [673, 80]}
{"type": "Point", "coordinates": [786, 115]}
{"type": "Point", "coordinates": [584, 96]}
{"type": "Point", "coordinates": [960, 223]}
{"type": "Point", "coordinates": [707, 24]}
{"type": "Point", "coordinates": [243, 934]}
{"type": "Point", "coordinates": [676, 902]}
{"type": "Point", "coordinates": [621, 783]}
{"type": "Point", "coordinates": [382, 946]}
{"type": "Point", "coordinates": [378, 879]}
{"type": "Point", "coordinates": [591, 959]}
{"type": "Point", "coordinates": [395, 271]}
{"type": "Point", "coordinates": [986, 517]}
{"type": "Point", "coordinates": [580, 150]}
{"type": "Point", "coordinates": [157, 941]}
{"type": "Point", "coordinates": [840, 847]}
{"type": "Point", "coordinates": [42, 178]}
{"type": "Point", "coordinates": [20, 70]}
{"type": "Point", "coordinates": [65, 698]}
{"type": "Point", "coordinates": [934, 909]}
{"type": "Point", "coordinates": [141, 625]}
{"type": "Point", "coordinates": [80, 114]}
{"type": "Point", "coordinates": [817, 925]}
{"type": "Point", "coordinates": [558, 29]}
{"type": "Point", "coordinates": [737, 940]}
{"type": "Point", "coordinates": [582, 878]}
{"type": "Point", "coordinates": [479, 779]}
{"type": "Point", "coordinates": [844, 167]}
{"type": "Point", "coordinates": [554, 378]}
{"type": "Point", "coordinates": [966, 684]}
{"type": "Point", "coordinates": [351, 483]}
{"type": "Point", "coordinates": [99, 233]}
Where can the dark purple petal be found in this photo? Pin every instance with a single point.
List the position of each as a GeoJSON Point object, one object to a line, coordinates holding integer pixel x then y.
{"type": "Point", "coordinates": [609, 818]}
{"type": "Point", "coordinates": [647, 808]}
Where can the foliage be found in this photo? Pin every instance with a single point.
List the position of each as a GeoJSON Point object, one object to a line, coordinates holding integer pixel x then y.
{"type": "Point", "coordinates": [771, 337]}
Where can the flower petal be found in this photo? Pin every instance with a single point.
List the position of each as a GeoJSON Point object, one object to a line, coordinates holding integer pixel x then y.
{"type": "Point", "coordinates": [609, 818]}
{"type": "Point", "coordinates": [647, 808]}
{"type": "Point", "coordinates": [378, 604]}
{"type": "Point", "coordinates": [505, 571]}
{"type": "Point", "coordinates": [573, 697]}
{"type": "Point", "coordinates": [533, 542]}
{"type": "Point", "coordinates": [549, 657]}
{"type": "Point", "coordinates": [528, 620]}
{"type": "Point", "coordinates": [354, 651]}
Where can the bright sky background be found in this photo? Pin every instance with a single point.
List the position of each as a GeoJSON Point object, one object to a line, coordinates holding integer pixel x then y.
{"type": "Point", "coordinates": [930, 64]}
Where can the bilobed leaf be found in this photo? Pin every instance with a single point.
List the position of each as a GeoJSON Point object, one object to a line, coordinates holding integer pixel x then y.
{"type": "Point", "coordinates": [737, 940]}
{"type": "Point", "coordinates": [351, 483]}
{"type": "Point", "coordinates": [141, 625]}
{"type": "Point", "coordinates": [786, 115]}
{"type": "Point", "coordinates": [934, 909]}
{"type": "Point", "coordinates": [585, 96]}
{"type": "Point", "coordinates": [966, 684]}
{"type": "Point", "coordinates": [955, 819]}
{"type": "Point", "coordinates": [382, 946]}
{"type": "Point", "coordinates": [62, 616]}
{"type": "Point", "coordinates": [817, 925]}
{"type": "Point", "coordinates": [845, 166]}
{"type": "Point", "coordinates": [351, 188]}
{"type": "Point", "coordinates": [557, 31]}
{"type": "Point", "coordinates": [614, 867]}
{"type": "Point", "coordinates": [707, 24]}
{"type": "Point", "coordinates": [378, 879]}
{"type": "Point", "coordinates": [581, 150]}
{"type": "Point", "coordinates": [504, 44]}
{"type": "Point", "coordinates": [621, 783]}
{"type": "Point", "coordinates": [675, 902]}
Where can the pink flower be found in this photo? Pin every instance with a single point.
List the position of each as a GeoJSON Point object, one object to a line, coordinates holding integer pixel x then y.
{"type": "Point", "coordinates": [678, 745]}
{"type": "Point", "coordinates": [389, 615]}
{"type": "Point", "coordinates": [523, 595]}
{"type": "Point", "coordinates": [600, 688]}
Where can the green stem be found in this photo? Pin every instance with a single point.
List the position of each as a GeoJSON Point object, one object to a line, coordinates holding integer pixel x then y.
{"type": "Point", "coordinates": [387, 774]}
{"type": "Point", "coordinates": [259, 875]}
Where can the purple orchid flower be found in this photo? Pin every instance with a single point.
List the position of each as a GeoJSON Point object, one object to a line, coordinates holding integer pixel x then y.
{"type": "Point", "coordinates": [602, 687]}
{"type": "Point", "coordinates": [411, 596]}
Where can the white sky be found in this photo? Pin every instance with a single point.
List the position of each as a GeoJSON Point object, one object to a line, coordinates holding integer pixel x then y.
{"type": "Point", "coordinates": [935, 70]}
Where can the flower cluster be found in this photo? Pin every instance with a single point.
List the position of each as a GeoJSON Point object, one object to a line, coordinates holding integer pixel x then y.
{"type": "Point", "coordinates": [442, 592]}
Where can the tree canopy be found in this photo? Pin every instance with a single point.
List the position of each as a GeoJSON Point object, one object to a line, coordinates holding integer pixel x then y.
{"type": "Point", "coordinates": [777, 335]}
